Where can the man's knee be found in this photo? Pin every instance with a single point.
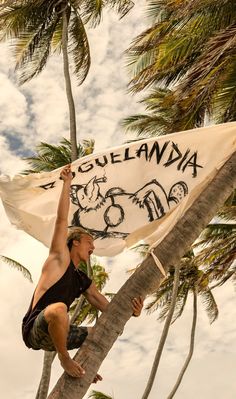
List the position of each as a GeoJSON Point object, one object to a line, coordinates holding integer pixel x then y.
{"type": "Point", "coordinates": [56, 311]}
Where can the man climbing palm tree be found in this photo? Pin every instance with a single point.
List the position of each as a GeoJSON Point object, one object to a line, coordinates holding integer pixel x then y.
{"type": "Point", "coordinates": [46, 324]}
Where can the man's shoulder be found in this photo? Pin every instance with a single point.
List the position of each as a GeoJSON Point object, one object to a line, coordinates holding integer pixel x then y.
{"type": "Point", "coordinates": [56, 260]}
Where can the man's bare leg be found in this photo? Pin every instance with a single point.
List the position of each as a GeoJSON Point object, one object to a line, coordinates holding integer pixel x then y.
{"type": "Point", "coordinates": [58, 327]}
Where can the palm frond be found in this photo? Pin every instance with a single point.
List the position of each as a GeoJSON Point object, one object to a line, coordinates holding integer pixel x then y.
{"type": "Point", "coordinates": [215, 232]}
{"type": "Point", "coordinates": [99, 395]}
{"type": "Point", "coordinates": [179, 36]}
{"type": "Point", "coordinates": [16, 265]}
{"type": "Point", "coordinates": [145, 125]}
{"type": "Point", "coordinates": [122, 7]}
{"type": "Point", "coordinates": [87, 314]}
{"type": "Point", "coordinates": [20, 17]}
{"type": "Point", "coordinates": [161, 106]}
{"type": "Point", "coordinates": [180, 306]}
{"type": "Point", "coordinates": [181, 300]}
{"type": "Point", "coordinates": [33, 46]}
{"type": "Point", "coordinates": [78, 49]}
{"type": "Point", "coordinates": [229, 275]}
{"type": "Point", "coordinates": [212, 68]}
{"type": "Point", "coordinates": [50, 156]}
{"type": "Point", "coordinates": [227, 213]}
{"type": "Point", "coordinates": [56, 41]}
{"type": "Point", "coordinates": [91, 12]}
{"type": "Point", "coordinates": [157, 10]}
{"type": "Point", "coordinates": [141, 249]}
{"type": "Point", "coordinates": [191, 278]}
{"type": "Point", "coordinates": [210, 305]}
{"type": "Point", "coordinates": [100, 276]}
{"type": "Point", "coordinates": [218, 258]}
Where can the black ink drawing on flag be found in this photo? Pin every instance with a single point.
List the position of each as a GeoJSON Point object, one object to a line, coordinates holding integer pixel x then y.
{"type": "Point", "coordinates": [111, 207]}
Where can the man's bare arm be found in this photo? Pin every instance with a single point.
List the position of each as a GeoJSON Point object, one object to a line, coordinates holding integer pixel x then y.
{"type": "Point", "coordinates": [95, 298]}
{"type": "Point", "coordinates": [58, 244]}
{"type": "Point", "coordinates": [100, 302]}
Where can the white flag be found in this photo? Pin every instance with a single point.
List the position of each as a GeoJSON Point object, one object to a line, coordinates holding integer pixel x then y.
{"type": "Point", "coordinates": [126, 194]}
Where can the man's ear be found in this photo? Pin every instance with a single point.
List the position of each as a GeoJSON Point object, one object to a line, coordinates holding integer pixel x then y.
{"type": "Point", "coordinates": [76, 243]}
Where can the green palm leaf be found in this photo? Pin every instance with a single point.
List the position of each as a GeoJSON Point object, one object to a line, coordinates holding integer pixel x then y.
{"type": "Point", "coordinates": [50, 157]}
{"type": "Point", "coordinates": [99, 395]}
{"type": "Point", "coordinates": [36, 28]}
{"type": "Point", "coordinates": [161, 107]}
{"type": "Point", "coordinates": [210, 304]}
{"type": "Point", "coordinates": [79, 47]}
{"type": "Point", "coordinates": [19, 17]}
{"type": "Point", "coordinates": [33, 52]}
{"type": "Point", "coordinates": [190, 45]}
{"type": "Point", "coordinates": [215, 232]}
{"type": "Point", "coordinates": [18, 266]}
{"type": "Point", "coordinates": [145, 125]}
{"type": "Point", "coordinates": [91, 12]}
{"type": "Point", "coordinates": [122, 7]}
{"type": "Point", "coordinates": [218, 259]}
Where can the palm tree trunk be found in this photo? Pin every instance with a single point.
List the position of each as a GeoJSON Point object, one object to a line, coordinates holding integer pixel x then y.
{"type": "Point", "coordinates": [48, 358]}
{"type": "Point", "coordinates": [74, 152]}
{"type": "Point", "coordinates": [163, 335]}
{"type": "Point", "coordinates": [191, 348]}
{"type": "Point", "coordinates": [146, 280]}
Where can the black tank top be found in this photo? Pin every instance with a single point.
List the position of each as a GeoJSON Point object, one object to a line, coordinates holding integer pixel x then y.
{"type": "Point", "coordinates": [70, 286]}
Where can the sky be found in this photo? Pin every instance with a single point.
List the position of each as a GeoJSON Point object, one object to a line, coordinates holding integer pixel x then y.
{"type": "Point", "coordinates": [38, 112]}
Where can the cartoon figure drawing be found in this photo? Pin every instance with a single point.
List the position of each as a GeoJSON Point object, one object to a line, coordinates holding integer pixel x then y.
{"type": "Point", "coordinates": [151, 200]}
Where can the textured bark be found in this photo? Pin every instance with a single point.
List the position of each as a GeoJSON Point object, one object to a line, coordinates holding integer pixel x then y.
{"type": "Point", "coordinates": [146, 280]}
{"type": "Point", "coordinates": [163, 335]}
{"type": "Point", "coordinates": [74, 152]}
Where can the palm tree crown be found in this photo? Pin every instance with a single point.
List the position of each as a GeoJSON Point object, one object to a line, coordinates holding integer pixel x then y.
{"type": "Point", "coordinates": [49, 157]}
{"type": "Point", "coordinates": [36, 29]}
{"type": "Point", "coordinates": [190, 48]}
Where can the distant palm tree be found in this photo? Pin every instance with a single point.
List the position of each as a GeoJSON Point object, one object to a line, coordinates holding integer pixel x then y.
{"type": "Point", "coordinates": [49, 157]}
{"type": "Point", "coordinates": [18, 266]}
{"type": "Point", "coordinates": [190, 48]}
{"type": "Point", "coordinates": [41, 27]}
{"type": "Point", "coordinates": [190, 278]}
{"type": "Point", "coordinates": [164, 334]}
{"type": "Point", "coordinates": [191, 347]}
{"type": "Point", "coordinates": [171, 298]}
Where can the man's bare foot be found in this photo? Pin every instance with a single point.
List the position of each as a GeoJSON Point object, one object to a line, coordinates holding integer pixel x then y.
{"type": "Point", "coordinates": [97, 378]}
{"type": "Point", "coordinates": [70, 366]}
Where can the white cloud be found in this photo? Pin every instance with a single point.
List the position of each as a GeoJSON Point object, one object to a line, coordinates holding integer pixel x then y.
{"type": "Point", "coordinates": [10, 164]}
{"type": "Point", "coordinates": [13, 107]}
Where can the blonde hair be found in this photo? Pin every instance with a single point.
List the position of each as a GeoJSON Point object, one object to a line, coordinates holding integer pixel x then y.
{"type": "Point", "coordinates": [75, 233]}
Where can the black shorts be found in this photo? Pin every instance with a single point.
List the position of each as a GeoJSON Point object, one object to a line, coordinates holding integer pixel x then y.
{"type": "Point", "coordinates": [39, 337]}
